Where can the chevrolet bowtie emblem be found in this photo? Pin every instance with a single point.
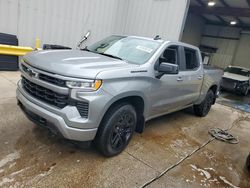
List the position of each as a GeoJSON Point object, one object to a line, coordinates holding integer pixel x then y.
{"type": "Point", "coordinates": [31, 72]}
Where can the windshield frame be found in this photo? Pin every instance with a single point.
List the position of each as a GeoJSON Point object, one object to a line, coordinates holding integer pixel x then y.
{"type": "Point", "coordinates": [157, 44]}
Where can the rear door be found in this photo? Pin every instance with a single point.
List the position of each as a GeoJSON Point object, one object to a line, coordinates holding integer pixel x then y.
{"type": "Point", "coordinates": [191, 73]}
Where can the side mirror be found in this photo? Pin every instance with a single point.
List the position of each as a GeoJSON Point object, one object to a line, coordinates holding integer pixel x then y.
{"type": "Point", "coordinates": [168, 68]}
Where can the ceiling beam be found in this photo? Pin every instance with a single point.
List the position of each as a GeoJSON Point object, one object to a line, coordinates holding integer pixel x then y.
{"type": "Point", "coordinates": [239, 21]}
{"type": "Point", "coordinates": [223, 11]}
{"type": "Point", "coordinates": [224, 3]}
{"type": "Point", "coordinates": [202, 3]}
{"type": "Point", "coordinates": [227, 25]}
{"type": "Point", "coordinates": [205, 19]}
{"type": "Point", "coordinates": [221, 19]}
{"type": "Point", "coordinates": [248, 2]}
{"type": "Point", "coordinates": [227, 5]}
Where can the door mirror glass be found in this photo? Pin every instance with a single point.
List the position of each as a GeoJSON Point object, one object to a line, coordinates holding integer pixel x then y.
{"type": "Point", "coordinates": [168, 68]}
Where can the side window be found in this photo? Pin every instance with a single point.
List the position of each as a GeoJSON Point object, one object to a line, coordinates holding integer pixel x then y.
{"type": "Point", "coordinates": [191, 59]}
{"type": "Point", "coordinates": [170, 55]}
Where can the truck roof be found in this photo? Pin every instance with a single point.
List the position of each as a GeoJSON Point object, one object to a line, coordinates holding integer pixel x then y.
{"type": "Point", "coordinates": [162, 41]}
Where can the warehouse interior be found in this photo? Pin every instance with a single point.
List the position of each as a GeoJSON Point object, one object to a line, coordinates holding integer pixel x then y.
{"type": "Point", "coordinates": [221, 30]}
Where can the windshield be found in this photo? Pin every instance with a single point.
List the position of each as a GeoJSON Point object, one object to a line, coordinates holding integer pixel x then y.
{"type": "Point", "coordinates": [130, 49]}
{"type": "Point", "coordinates": [236, 70]}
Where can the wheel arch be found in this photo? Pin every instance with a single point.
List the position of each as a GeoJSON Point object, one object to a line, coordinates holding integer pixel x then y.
{"type": "Point", "coordinates": [137, 101]}
{"type": "Point", "coordinates": [214, 89]}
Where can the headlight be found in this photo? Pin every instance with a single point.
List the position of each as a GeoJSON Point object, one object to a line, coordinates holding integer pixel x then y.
{"type": "Point", "coordinates": [89, 85]}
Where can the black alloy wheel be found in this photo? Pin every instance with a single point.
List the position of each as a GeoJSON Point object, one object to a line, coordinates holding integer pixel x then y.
{"type": "Point", "coordinates": [116, 129]}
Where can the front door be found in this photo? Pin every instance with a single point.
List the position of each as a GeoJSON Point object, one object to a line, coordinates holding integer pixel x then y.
{"type": "Point", "coordinates": [167, 91]}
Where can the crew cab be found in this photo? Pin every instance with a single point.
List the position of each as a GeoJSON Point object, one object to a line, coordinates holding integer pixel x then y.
{"type": "Point", "coordinates": [107, 91]}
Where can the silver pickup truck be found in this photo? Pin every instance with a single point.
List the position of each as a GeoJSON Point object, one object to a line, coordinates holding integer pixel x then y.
{"type": "Point", "coordinates": [107, 91]}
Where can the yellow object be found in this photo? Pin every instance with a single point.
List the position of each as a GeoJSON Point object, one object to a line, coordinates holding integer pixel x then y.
{"type": "Point", "coordinates": [38, 43]}
{"type": "Point", "coordinates": [98, 84]}
{"type": "Point", "coordinates": [14, 50]}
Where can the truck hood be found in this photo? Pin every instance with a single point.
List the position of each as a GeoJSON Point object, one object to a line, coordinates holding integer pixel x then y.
{"type": "Point", "coordinates": [235, 76]}
{"type": "Point", "coordinates": [73, 63]}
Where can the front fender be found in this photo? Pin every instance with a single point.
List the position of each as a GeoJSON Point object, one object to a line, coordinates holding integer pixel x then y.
{"type": "Point", "coordinates": [125, 95]}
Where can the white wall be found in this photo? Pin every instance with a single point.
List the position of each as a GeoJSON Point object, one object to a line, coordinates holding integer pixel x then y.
{"type": "Point", "coordinates": [65, 21]}
{"type": "Point", "coordinates": [58, 21]}
{"type": "Point", "coordinates": [155, 17]}
{"type": "Point", "coordinates": [193, 30]}
{"type": "Point", "coordinates": [8, 16]}
{"type": "Point", "coordinates": [242, 55]}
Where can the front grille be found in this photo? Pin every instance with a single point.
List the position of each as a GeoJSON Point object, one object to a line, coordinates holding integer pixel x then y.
{"type": "Point", "coordinates": [44, 94]}
{"type": "Point", "coordinates": [228, 83]}
{"type": "Point", "coordinates": [46, 78]}
{"type": "Point", "coordinates": [25, 69]}
{"type": "Point", "coordinates": [53, 98]}
{"type": "Point", "coordinates": [52, 80]}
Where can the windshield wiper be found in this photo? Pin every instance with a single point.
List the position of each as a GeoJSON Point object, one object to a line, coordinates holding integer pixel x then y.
{"type": "Point", "coordinates": [109, 55]}
{"type": "Point", "coordinates": [85, 49]}
{"type": "Point", "coordinates": [113, 56]}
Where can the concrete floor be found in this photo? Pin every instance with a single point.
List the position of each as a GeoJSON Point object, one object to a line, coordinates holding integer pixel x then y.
{"type": "Point", "coordinates": [32, 157]}
{"type": "Point", "coordinates": [235, 100]}
{"type": "Point", "coordinates": [236, 97]}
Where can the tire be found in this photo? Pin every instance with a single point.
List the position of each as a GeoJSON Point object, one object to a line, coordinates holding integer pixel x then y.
{"type": "Point", "coordinates": [245, 92]}
{"type": "Point", "coordinates": [248, 163]}
{"type": "Point", "coordinates": [116, 129]}
{"type": "Point", "coordinates": [202, 109]}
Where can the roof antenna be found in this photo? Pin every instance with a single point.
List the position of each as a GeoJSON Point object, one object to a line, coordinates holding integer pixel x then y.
{"type": "Point", "coordinates": [157, 37]}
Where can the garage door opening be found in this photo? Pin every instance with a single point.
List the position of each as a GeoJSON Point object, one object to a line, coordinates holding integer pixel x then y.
{"type": "Point", "coordinates": [221, 29]}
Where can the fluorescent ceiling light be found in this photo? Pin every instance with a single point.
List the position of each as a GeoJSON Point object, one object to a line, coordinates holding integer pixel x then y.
{"type": "Point", "coordinates": [211, 3]}
{"type": "Point", "coordinates": [233, 22]}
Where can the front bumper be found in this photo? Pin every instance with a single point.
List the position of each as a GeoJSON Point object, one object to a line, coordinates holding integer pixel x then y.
{"type": "Point", "coordinates": [234, 86]}
{"type": "Point", "coordinates": [53, 122]}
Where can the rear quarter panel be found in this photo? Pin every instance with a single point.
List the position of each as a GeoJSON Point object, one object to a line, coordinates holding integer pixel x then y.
{"type": "Point", "coordinates": [212, 77]}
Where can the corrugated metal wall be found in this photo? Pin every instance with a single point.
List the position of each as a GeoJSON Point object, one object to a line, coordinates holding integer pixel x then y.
{"type": "Point", "coordinates": [242, 55]}
{"type": "Point", "coordinates": [193, 30]}
{"type": "Point", "coordinates": [57, 21]}
{"type": "Point", "coordinates": [65, 21]}
{"type": "Point", "coordinates": [226, 47]}
{"type": "Point", "coordinates": [152, 17]}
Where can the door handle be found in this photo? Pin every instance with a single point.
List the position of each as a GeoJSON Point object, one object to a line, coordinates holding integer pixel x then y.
{"type": "Point", "coordinates": [200, 77]}
{"type": "Point", "coordinates": [179, 79]}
